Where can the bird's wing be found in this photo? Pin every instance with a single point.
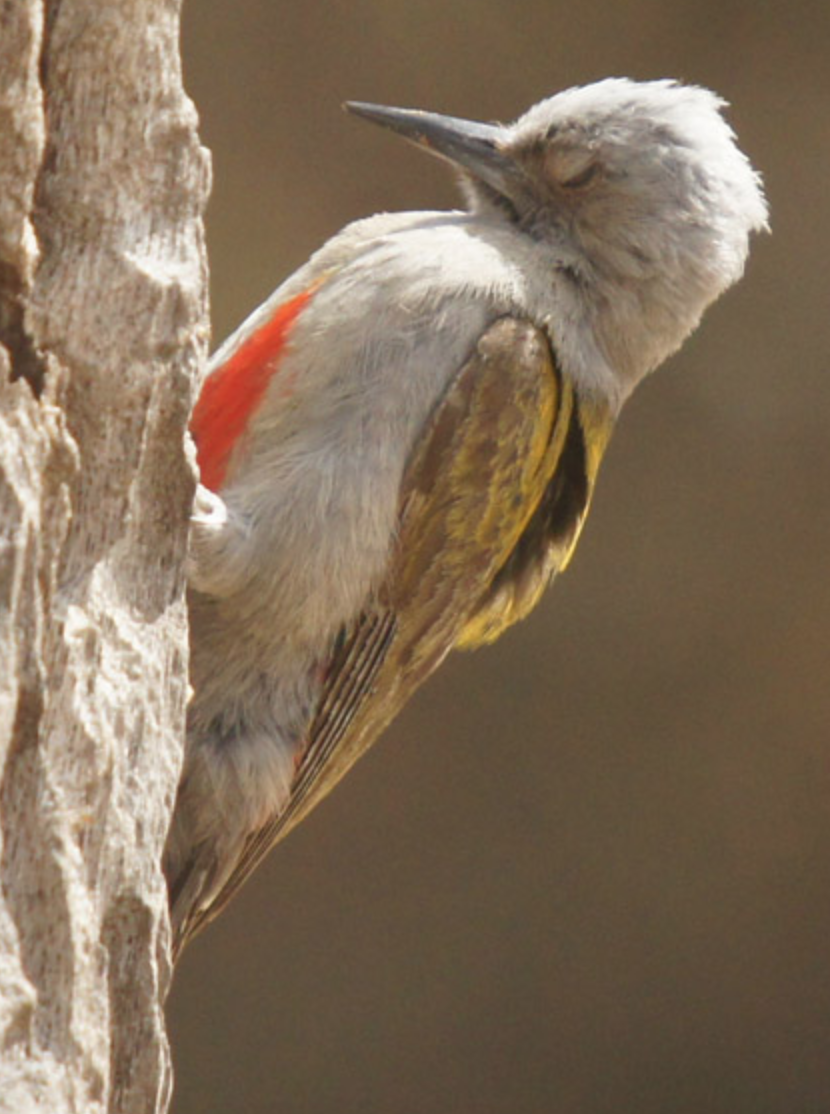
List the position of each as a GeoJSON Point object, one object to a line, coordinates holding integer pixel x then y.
{"type": "Point", "coordinates": [491, 503]}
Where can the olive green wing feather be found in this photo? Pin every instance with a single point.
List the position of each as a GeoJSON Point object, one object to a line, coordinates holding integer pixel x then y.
{"type": "Point", "coordinates": [469, 492]}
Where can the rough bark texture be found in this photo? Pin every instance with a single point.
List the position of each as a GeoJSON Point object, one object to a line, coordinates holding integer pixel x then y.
{"type": "Point", "coordinates": [102, 326]}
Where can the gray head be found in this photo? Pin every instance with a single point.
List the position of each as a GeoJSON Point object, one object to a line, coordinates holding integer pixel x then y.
{"type": "Point", "coordinates": [638, 188]}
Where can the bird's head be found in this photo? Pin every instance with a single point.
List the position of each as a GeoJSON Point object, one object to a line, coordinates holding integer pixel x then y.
{"type": "Point", "coordinates": [639, 188]}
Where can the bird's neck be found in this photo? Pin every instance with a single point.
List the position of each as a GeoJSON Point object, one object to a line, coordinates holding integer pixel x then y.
{"type": "Point", "coordinates": [640, 324]}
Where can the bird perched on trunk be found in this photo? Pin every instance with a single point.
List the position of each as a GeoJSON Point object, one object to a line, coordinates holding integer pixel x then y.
{"type": "Point", "coordinates": [398, 449]}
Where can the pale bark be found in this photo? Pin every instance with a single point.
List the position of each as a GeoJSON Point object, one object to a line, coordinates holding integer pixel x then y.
{"type": "Point", "coordinates": [102, 329]}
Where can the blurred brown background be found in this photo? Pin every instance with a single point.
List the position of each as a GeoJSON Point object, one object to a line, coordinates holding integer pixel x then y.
{"type": "Point", "coordinates": [588, 871]}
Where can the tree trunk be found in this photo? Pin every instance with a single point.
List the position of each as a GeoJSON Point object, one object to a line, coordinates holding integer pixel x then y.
{"type": "Point", "coordinates": [102, 329]}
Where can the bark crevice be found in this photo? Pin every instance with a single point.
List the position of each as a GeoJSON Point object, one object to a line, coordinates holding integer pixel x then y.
{"type": "Point", "coordinates": [103, 329]}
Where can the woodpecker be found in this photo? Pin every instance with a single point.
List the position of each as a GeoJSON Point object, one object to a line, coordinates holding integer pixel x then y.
{"type": "Point", "coordinates": [398, 449]}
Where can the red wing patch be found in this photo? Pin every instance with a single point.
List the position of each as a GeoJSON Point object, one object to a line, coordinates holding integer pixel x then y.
{"type": "Point", "coordinates": [232, 392]}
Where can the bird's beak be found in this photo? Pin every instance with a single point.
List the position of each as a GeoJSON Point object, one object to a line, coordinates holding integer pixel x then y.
{"type": "Point", "coordinates": [476, 148]}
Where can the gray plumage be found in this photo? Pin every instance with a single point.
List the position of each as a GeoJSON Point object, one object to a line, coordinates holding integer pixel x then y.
{"type": "Point", "coordinates": [599, 227]}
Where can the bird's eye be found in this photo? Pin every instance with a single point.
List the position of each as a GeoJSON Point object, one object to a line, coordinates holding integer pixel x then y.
{"type": "Point", "coordinates": [571, 167]}
{"type": "Point", "coordinates": [582, 177]}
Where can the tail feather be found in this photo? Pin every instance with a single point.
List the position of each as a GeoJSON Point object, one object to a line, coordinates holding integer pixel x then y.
{"type": "Point", "coordinates": [229, 788]}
